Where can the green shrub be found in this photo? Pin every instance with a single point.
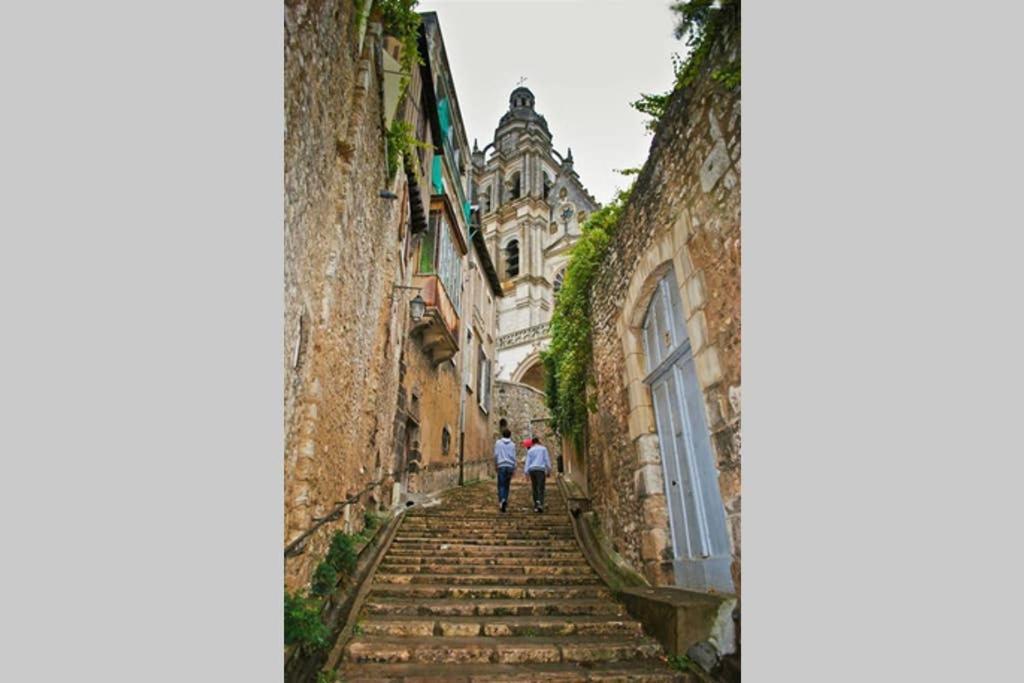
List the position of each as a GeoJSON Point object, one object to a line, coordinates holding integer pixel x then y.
{"type": "Point", "coordinates": [372, 519]}
{"type": "Point", "coordinates": [302, 622]}
{"type": "Point", "coordinates": [325, 578]}
{"type": "Point", "coordinates": [680, 662]}
{"type": "Point", "coordinates": [341, 556]}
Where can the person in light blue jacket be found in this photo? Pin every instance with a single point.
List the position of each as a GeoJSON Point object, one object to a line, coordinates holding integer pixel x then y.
{"type": "Point", "coordinates": [505, 461]}
{"type": "Point", "coordinates": [538, 467]}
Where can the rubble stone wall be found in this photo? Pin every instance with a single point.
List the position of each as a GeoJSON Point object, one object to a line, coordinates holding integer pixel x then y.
{"type": "Point", "coordinates": [683, 215]}
{"type": "Point", "coordinates": [341, 340]}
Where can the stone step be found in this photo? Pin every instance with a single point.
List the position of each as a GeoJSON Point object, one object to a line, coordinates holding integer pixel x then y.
{"type": "Point", "coordinates": [491, 544]}
{"type": "Point", "coordinates": [491, 592]}
{"type": "Point", "coordinates": [494, 626]}
{"type": "Point", "coordinates": [482, 552]}
{"type": "Point", "coordinates": [553, 509]}
{"type": "Point", "coordinates": [641, 671]}
{"type": "Point", "coordinates": [536, 568]}
{"type": "Point", "coordinates": [490, 577]}
{"type": "Point", "coordinates": [485, 533]}
{"type": "Point", "coordinates": [418, 559]}
{"type": "Point", "coordinates": [495, 521]}
{"type": "Point", "coordinates": [499, 649]}
{"type": "Point", "coordinates": [496, 607]}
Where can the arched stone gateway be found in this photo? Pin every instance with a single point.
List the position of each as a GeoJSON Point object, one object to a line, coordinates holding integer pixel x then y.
{"type": "Point", "coordinates": [530, 372]}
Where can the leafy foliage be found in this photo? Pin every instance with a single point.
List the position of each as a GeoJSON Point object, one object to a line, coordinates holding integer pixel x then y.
{"type": "Point", "coordinates": [567, 359]}
{"type": "Point", "coordinates": [327, 677]}
{"type": "Point", "coordinates": [401, 20]}
{"type": "Point", "coordinates": [372, 519]}
{"type": "Point", "coordinates": [302, 622]}
{"type": "Point", "coordinates": [680, 662]}
{"type": "Point", "coordinates": [325, 579]}
{"type": "Point", "coordinates": [401, 143]}
{"type": "Point", "coordinates": [342, 556]}
{"type": "Point", "coordinates": [701, 23]}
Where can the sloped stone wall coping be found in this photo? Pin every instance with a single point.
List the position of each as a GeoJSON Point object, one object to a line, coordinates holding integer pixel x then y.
{"type": "Point", "coordinates": [676, 617]}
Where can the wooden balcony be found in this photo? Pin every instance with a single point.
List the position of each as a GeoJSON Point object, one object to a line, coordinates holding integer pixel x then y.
{"type": "Point", "coordinates": [438, 330]}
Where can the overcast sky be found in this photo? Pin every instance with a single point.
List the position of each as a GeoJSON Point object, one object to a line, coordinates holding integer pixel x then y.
{"type": "Point", "coordinates": [584, 60]}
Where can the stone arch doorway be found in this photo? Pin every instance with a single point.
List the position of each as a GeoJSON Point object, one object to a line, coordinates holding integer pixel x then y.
{"type": "Point", "coordinates": [530, 372]}
{"type": "Point", "coordinates": [699, 539]}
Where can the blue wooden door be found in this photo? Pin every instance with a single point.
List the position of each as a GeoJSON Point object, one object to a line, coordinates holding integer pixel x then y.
{"type": "Point", "coordinates": [699, 539]}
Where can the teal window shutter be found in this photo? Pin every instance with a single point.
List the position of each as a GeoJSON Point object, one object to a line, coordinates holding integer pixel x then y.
{"type": "Point", "coordinates": [435, 175]}
{"type": "Point", "coordinates": [444, 117]}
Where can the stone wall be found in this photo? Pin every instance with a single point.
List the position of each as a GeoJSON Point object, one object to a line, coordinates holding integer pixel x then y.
{"type": "Point", "coordinates": [341, 256]}
{"type": "Point", "coordinates": [527, 413]}
{"type": "Point", "coordinates": [683, 215]}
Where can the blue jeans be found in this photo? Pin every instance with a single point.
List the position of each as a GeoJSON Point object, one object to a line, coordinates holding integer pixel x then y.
{"type": "Point", "coordinates": [504, 480]}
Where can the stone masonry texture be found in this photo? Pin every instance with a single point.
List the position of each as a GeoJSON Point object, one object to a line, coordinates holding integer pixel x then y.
{"type": "Point", "coordinates": [684, 214]}
{"type": "Point", "coordinates": [341, 255]}
{"type": "Point", "coordinates": [525, 411]}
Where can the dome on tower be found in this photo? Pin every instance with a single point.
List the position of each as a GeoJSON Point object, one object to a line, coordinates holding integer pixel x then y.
{"type": "Point", "coordinates": [521, 97]}
{"type": "Point", "coordinates": [520, 109]}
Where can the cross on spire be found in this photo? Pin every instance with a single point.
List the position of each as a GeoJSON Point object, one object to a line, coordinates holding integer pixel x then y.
{"type": "Point", "coordinates": [522, 79]}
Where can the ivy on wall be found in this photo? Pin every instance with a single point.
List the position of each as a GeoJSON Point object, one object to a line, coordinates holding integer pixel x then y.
{"type": "Point", "coordinates": [567, 359]}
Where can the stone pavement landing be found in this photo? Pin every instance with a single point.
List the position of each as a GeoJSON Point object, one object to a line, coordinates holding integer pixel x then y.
{"type": "Point", "coordinates": [466, 593]}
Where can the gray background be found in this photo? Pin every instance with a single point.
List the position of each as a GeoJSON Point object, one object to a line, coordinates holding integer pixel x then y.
{"type": "Point", "coordinates": [140, 167]}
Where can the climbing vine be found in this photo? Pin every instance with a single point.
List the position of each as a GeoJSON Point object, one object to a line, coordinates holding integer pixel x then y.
{"type": "Point", "coordinates": [401, 143]}
{"type": "Point", "coordinates": [567, 360]}
{"type": "Point", "coordinates": [400, 19]}
{"type": "Point", "coordinates": [702, 23]}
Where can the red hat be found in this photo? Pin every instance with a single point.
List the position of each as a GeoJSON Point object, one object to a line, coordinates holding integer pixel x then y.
{"type": "Point", "coordinates": [527, 443]}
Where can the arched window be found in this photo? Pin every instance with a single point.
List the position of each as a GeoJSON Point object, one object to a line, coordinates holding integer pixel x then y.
{"type": "Point", "coordinates": [513, 186]}
{"type": "Point", "coordinates": [512, 259]}
{"type": "Point", "coordinates": [547, 185]}
{"type": "Point", "coordinates": [484, 200]}
{"type": "Point", "coordinates": [559, 279]}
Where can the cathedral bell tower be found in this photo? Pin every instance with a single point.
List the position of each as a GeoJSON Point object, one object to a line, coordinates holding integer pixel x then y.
{"type": "Point", "coordinates": [531, 205]}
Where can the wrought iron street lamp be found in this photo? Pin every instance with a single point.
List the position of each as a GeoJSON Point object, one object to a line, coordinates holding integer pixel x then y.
{"type": "Point", "coordinates": [417, 307]}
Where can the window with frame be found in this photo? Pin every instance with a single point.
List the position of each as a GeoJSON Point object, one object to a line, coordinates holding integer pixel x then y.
{"type": "Point", "coordinates": [514, 188]}
{"type": "Point", "coordinates": [439, 256]}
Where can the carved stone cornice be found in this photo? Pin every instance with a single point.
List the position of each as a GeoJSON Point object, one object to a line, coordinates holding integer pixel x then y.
{"type": "Point", "coordinates": [523, 336]}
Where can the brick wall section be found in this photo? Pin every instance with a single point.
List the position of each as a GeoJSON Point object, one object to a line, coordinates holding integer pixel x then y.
{"type": "Point", "coordinates": [684, 214]}
{"type": "Point", "coordinates": [341, 256]}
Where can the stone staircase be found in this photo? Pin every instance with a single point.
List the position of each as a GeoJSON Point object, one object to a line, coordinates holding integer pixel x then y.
{"type": "Point", "coordinates": [466, 593]}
